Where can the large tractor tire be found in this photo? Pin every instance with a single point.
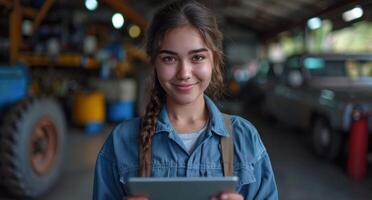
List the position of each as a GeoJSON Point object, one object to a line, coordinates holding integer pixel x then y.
{"type": "Point", "coordinates": [32, 138]}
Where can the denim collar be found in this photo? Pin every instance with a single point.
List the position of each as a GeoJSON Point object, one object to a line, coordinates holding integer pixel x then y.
{"type": "Point", "coordinates": [216, 121]}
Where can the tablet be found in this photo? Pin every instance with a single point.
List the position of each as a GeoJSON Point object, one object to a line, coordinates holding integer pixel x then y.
{"type": "Point", "coordinates": [181, 188]}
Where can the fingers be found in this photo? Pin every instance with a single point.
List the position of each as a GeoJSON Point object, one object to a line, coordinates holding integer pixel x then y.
{"type": "Point", "coordinates": [228, 196]}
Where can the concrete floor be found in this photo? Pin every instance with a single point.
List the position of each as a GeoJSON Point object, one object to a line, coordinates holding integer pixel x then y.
{"type": "Point", "coordinates": [299, 174]}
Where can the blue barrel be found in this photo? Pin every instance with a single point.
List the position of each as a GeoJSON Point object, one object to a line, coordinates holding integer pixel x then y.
{"type": "Point", "coordinates": [120, 110]}
{"type": "Point", "coordinates": [13, 84]}
{"type": "Point", "coordinates": [93, 128]}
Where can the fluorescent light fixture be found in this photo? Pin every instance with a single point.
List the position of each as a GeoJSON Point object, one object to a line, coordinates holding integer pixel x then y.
{"type": "Point", "coordinates": [91, 4]}
{"type": "Point", "coordinates": [352, 14]}
{"type": "Point", "coordinates": [117, 20]}
{"type": "Point", "coordinates": [314, 23]}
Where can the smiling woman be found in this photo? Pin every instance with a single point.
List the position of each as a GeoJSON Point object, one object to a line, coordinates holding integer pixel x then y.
{"type": "Point", "coordinates": [182, 132]}
{"type": "Point", "coordinates": [184, 66]}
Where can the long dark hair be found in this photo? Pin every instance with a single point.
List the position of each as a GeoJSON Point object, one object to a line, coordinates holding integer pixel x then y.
{"type": "Point", "coordinates": [171, 16]}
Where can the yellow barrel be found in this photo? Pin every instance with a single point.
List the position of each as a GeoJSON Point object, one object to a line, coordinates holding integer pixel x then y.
{"type": "Point", "coordinates": [88, 107]}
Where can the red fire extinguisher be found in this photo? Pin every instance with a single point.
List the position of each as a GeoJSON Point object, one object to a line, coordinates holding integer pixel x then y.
{"type": "Point", "coordinates": [358, 146]}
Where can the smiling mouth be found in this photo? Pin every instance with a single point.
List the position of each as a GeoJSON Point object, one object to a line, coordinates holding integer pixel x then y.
{"type": "Point", "coordinates": [184, 87]}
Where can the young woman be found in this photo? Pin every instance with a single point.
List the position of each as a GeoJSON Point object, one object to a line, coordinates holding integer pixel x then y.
{"type": "Point", "coordinates": [182, 130]}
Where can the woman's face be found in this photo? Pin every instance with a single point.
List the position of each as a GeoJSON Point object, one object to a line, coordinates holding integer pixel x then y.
{"type": "Point", "coordinates": [184, 65]}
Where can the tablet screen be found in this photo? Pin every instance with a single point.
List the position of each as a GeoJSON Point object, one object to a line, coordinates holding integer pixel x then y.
{"type": "Point", "coordinates": [181, 188]}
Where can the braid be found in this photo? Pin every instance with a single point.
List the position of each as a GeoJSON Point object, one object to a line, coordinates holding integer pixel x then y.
{"type": "Point", "coordinates": [148, 123]}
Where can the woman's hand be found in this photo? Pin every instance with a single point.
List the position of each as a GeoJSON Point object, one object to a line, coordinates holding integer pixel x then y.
{"type": "Point", "coordinates": [228, 196]}
{"type": "Point", "coordinates": [135, 198]}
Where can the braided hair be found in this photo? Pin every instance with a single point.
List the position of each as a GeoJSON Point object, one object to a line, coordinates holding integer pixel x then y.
{"type": "Point", "coordinates": [171, 16]}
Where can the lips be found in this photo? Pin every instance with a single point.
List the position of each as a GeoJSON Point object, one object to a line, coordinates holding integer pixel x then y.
{"type": "Point", "coordinates": [184, 87]}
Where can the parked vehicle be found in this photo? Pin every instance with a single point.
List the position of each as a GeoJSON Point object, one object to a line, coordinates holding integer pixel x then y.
{"type": "Point", "coordinates": [320, 93]}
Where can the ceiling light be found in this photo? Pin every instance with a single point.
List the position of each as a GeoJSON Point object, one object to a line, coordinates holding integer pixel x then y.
{"type": "Point", "coordinates": [352, 14]}
{"type": "Point", "coordinates": [134, 31]}
{"type": "Point", "coordinates": [27, 27]}
{"type": "Point", "coordinates": [91, 4]}
{"type": "Point", "coordinates": [117, 20]}
{"type": "Point", "coordinates": [314, 23]}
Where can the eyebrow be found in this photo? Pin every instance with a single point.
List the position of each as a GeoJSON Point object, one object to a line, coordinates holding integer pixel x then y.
{"type": "Point", "coordinates": [198, 50]}
{"type": "Point", "coordinates": [190, 52]}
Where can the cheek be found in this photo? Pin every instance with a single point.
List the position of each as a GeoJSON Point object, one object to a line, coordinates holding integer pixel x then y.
{"type": "Point", "coordinates": [165, 73]}
{"type": "Point", "coordinates": [205, 72]}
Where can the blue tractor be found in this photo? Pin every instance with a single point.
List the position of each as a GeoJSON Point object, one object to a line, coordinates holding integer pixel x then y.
{"type": "Point", "coordinates": [32, 134]}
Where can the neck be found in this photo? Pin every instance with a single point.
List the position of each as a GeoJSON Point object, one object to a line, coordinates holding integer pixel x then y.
{"type": "Point", "coordinates": [188, 117]}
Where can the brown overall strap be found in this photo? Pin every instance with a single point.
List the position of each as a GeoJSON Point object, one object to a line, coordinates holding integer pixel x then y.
{"type": "Point", "coordinates": [227, 147]}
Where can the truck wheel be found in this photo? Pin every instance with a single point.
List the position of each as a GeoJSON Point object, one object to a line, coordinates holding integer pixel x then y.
{"type": "Point", "coordinates": [326, 142]}
{"type": "Point", "coordinates": [31, 146]}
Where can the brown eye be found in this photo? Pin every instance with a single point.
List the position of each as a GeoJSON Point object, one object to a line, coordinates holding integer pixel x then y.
{"type": "Point", "coordinates": [168, 59]}
{"type": "Point", "coordinates": [198, 58]}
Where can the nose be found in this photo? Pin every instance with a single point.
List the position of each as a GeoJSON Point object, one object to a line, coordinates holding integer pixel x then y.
{"type": "Point", "coordinates": [184, 70]}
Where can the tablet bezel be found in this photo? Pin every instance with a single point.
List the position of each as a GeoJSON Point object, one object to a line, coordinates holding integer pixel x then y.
{"type": "Point", "coordinates": [180, 188]}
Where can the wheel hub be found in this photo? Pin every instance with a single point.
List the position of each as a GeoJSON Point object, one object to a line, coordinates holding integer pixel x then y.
{"type": "Point", "coordinates": [43, 146]}
{"type": "Point", "coordinates": [325, 137]}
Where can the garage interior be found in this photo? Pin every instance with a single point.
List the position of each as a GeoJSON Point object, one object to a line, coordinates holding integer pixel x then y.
{"type": "Point", "coordinates": [72, 70]}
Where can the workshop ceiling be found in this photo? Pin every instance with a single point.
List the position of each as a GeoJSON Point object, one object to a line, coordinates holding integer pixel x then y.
{"type": "Point", "coordinates": [265, 18]}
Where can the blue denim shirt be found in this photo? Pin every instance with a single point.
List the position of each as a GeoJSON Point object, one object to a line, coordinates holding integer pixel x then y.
{"type": "Point", "coordinates": [118, 158]}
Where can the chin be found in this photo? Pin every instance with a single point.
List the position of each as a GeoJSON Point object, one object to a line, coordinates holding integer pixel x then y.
{"type": "Point", "coordinates": [184, 99]}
